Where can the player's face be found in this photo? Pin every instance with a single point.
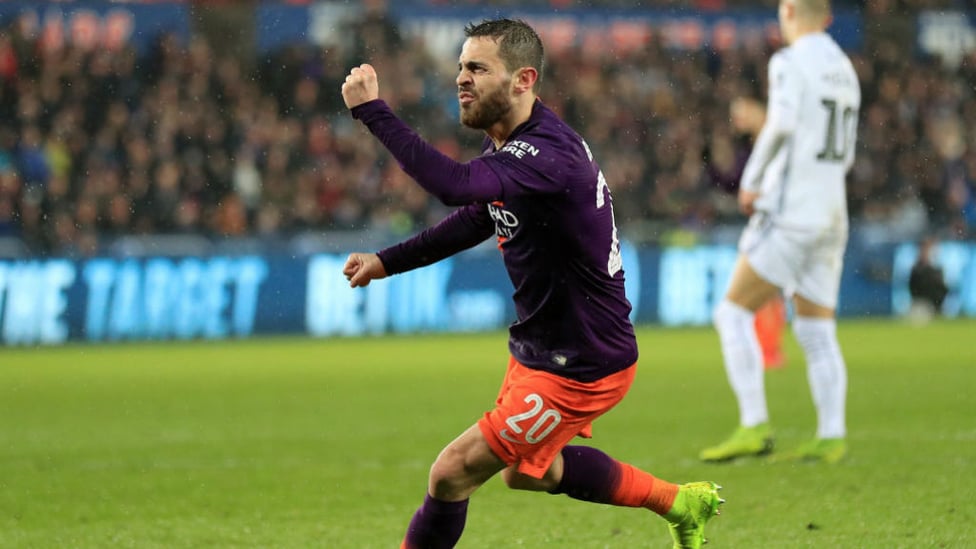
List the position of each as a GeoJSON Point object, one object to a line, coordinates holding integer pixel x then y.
{"type": "Point", "coordinates": [484, 84]}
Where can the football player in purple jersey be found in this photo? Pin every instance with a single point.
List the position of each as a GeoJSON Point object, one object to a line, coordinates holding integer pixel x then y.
{"type": "Point", "coordinates": [537, 189]}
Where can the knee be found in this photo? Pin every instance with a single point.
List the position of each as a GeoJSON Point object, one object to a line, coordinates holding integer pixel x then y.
{"type": "Point", "coordinates": [460, 469]}
{"type": "Point", "coordinates": [727, 315]}
{"type": "Point", "coordinates": [720, 312]}
{"type": "Point", "coordinates": [447, 474]}
{"type": "Point", "coordinates": [817, 337]}
{"type": "Point", "coordinates": [814, 332]}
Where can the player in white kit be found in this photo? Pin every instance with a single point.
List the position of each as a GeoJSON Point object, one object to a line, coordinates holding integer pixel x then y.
{"type": "Point", "coordinates": [793, 189]}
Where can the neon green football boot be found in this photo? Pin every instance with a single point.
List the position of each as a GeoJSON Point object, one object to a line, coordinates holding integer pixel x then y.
{"type": "Point", "coordinates": [825, 450]}
{"type": "Point", "coordinates": [745, 441]}
{"type": "Point", "coordinates": [694, 505]}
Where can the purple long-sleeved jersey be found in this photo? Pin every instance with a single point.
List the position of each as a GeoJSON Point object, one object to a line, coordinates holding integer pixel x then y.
{"type": "Point", "coordinates": [545, 199]}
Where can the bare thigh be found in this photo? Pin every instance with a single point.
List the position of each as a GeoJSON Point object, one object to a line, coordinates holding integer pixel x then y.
{"type": "Point", "coordinates": [747, 289]}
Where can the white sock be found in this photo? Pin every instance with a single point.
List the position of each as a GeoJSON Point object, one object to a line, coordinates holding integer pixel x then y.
{"type": "Point", "coordinates": [743, 361]}
{"type": "Point", "coordinates": [826, 371]}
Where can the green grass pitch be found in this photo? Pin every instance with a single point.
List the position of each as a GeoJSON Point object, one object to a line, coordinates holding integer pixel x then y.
{"type": "Point", "coordinates": [299, 443]}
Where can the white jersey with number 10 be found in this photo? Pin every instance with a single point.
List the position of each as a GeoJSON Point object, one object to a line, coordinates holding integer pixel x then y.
{"type": "Point", "coordinates": [801, 157]}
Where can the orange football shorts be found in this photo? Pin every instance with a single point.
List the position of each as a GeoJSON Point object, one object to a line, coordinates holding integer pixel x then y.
{"type": "Point", "coordinates": [537, 413]}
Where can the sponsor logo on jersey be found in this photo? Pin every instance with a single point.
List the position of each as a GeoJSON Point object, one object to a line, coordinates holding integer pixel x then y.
{"type": "Point", "coordinates": [519, 149]}
{"type": "Point", "coordinates": [505, 221]}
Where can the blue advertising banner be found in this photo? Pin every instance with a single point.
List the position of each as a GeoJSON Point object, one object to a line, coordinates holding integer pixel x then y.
{"type": "Point", "coordinates": [91, 24]}
{"type": "Point", "coordinates": [165, 298]}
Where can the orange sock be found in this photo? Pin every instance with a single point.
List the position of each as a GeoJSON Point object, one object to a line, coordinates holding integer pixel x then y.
{"type": "Point", "coordinates": [641, 489]}
{"type": "Point", "coordinates": [770, 325]}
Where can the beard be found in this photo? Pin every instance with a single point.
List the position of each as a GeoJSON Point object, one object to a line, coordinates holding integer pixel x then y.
{"type": "Point", "coordinates": [484, 112]}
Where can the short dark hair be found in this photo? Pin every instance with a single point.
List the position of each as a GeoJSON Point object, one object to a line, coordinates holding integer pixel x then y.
{"type": "Point", "coordinates": [813, 8]}
{"type": "Point", "coordinates": [518, 44]}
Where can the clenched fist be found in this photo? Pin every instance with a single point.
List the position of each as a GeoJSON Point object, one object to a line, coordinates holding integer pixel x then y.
{"type": "Point", "coordinates": [747, 201]}
{"type": "Point", "coordinates": [360, 269]}
{"type": "Point", "coordinates": [360, 86]}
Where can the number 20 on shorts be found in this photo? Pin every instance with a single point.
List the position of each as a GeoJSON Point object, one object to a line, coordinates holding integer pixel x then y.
{"type": "Point", "coordinates": [545, 420]}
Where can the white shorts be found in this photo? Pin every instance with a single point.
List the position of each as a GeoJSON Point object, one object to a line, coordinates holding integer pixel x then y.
{"type": "Point", "coordinates": [799, 261]}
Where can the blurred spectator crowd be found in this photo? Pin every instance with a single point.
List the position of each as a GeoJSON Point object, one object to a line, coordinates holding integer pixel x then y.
{"type": "Point", "coordinates": [96, 145]}
{"type": "Point", "coordinates": [879, 6]}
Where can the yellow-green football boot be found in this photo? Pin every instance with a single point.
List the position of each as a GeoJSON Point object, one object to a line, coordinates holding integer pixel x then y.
{"type": "Point", "coordinates": [694, 505]}
{"type": "Point", "coordinates": [824, 450]}
{"type": "Point", "coordinates": [745, 441]}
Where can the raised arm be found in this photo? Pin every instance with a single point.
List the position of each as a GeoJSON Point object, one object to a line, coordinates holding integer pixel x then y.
{"type": "Point", "coordinates": [452, 182]}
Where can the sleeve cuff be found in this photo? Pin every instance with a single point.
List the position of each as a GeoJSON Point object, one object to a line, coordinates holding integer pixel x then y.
{"type": "Point", "coordinates": [389, 260]}
{"type": "Point", "coordinates": [363, 110]}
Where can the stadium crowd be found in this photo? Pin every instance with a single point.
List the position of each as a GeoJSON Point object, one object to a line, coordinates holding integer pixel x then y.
{"type": "Point", "coordinates": [192, 140]}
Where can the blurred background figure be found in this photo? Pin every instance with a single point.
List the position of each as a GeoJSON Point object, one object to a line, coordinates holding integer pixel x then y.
{"type": "Point", "coordinates": [926, 284]}
{"type": "Point", "coordinates": [793, 188]}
